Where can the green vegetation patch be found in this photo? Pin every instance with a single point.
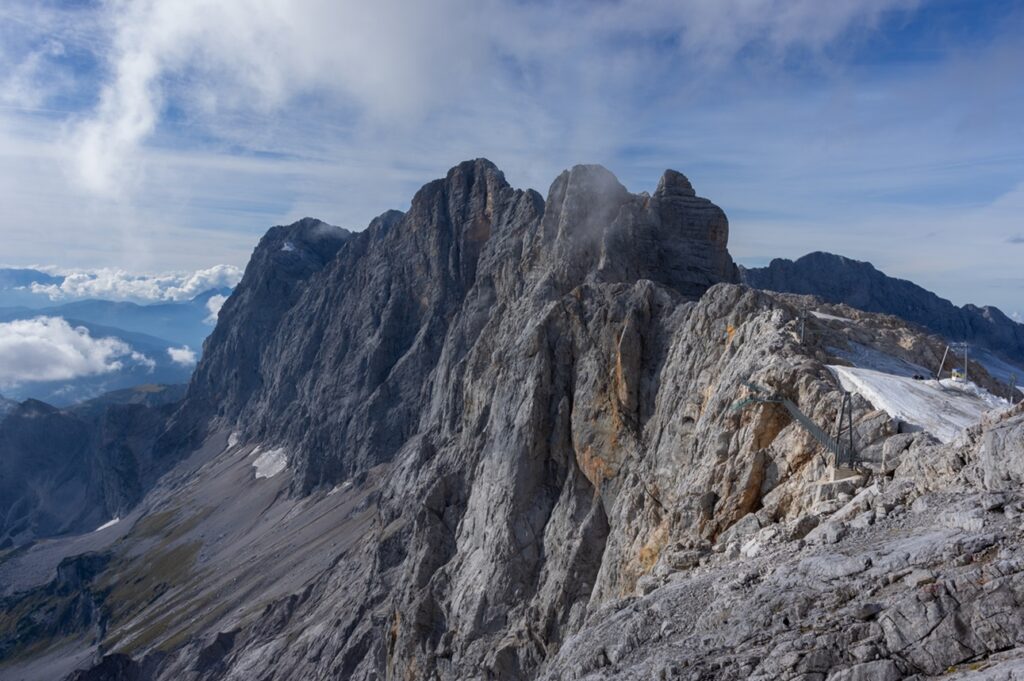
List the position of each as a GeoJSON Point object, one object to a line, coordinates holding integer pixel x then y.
{"type": "Point", "coordinates": [135, 583]}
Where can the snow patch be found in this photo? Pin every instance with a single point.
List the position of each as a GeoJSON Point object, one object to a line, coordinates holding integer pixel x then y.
{"type": "Point", "coordinates": [288, 246]}
{"type": "Point", "coordinates": [233, 439]}
{"type": "Point", "coordinates": [109, 523]}
{"type": "Point", "coordinates": [340, 488]}
{"type": "Point", "coordinates": [830, 317]}
{"type": "Point", "coordinates": [270, 463]}
{"type": "Point", "coordinates": [943, 408]}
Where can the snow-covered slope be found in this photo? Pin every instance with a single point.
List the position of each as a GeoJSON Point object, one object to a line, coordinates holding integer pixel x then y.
{"type": "Point", "coordinates": [943, 408]}
{"type": "Point", "coordinates": [867, 357]}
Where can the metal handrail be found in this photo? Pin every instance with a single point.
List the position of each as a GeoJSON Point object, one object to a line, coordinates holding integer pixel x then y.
{"type": "Point", "coordinates": [843, 453]}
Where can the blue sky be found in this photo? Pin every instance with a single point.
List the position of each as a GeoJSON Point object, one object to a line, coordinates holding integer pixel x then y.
{"type": "Point", "coordinates": [155, 136]}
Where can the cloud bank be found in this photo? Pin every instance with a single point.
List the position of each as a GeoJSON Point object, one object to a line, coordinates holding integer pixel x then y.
{"type": "Point", "coordinates": [50, 349]}
{"type": "Point", "coordinates": [114, 284]}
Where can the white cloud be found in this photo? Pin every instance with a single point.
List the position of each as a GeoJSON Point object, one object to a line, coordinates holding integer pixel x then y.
{"type": "Point", "coordinates": [213, 305]}
{"type": "Point", "coordinates": [459, 57]}
{"type": "Point", "coordinates": [274, 50]}
{"type": "Point", "coordinates": [114, 284]}
{"type": "Point", "coordinates": [143, 360]}
{"type": "Point", "coordinates": [185, 356]}
{"type": "Point", "coordinates": [50, 349]}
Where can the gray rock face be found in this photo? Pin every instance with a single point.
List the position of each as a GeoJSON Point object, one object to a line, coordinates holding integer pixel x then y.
{"type": "Point", "coordinates": [234, 357]}
{"type": "Point", "coordinates": [343, 367]}
{"type": "Point", "coordinates": [858, 284]}
{"type": "Point", "coordinates": [911, 595]}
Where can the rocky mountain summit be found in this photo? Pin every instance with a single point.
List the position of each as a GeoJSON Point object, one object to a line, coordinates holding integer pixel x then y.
{"type": "Point", "coordinates": [507, 437]}
{"type": "Point", "coordinates": [841, 280]}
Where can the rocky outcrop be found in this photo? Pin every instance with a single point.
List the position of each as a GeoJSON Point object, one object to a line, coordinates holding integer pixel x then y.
{"type": "Point", "coordinates": [66, 606]}
{"type": "Point", "coordinates": [64, 471]}
{"type": "Point", "coordinates": [841, 280]}
{"type": "Point", "coordinates": [233, 355]}
{"type": "Point", "coordinates": [907, 584]}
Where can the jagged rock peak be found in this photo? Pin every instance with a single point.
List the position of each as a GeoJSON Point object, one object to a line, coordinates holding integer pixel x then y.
{"type": "Point", "coordinates": [321, 355]}
{"type": "Point", "coordinates": [583, 199]}
{"type": "Point", "coordinates": [600, 230]}
{"type": "Point", "coordinates": [464, 199]}
{"type": "Point", "coordinates": [674, 183]}
{"type": "Point", "coordinates": [322, 238]}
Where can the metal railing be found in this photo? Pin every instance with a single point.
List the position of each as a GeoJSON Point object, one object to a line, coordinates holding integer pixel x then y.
{"type": "Point", "coordinates": [841, 445]}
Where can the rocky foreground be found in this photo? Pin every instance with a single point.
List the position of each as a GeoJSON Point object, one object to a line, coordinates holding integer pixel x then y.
{"type": "Point", "coordinates": [503, 437]}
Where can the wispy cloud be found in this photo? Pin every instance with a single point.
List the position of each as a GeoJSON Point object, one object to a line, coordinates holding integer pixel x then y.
{"type": "Point", "coordinates": [455, 66]}
{"type": "Point", "coordinates": [1018, 239]}
{"type": "Point", "coordinates": [50, 349]}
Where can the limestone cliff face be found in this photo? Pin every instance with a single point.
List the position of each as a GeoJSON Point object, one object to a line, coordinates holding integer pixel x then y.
{"type": "Point", "coordinates": [365, 348]}
{"type": "Point", "coordinates": [552, 403]}
{"type": "Point", "coordinates": [235, 359]}
{"type": "Point", "coordinates": [510, 360]}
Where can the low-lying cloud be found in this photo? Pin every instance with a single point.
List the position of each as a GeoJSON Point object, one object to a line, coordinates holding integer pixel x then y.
{"type": "Point", "coordinates": [116, 284]}
{"type": "Point", "coordinates": [184, 356]}
{"type": "Point", "coordinates": [50, 349]}
{"type": "Point", "coordinates": [213, 305]}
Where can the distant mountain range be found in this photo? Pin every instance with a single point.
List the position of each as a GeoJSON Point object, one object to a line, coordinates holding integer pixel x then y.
{"type": "Point", "coordinates": [16, 287]}
{"type": "Point", "coordinates": [859, 284]}
{"type": "Point", "coordinates": [186, 323]}
{"type": "Point", "coordinates": [152, 331]}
